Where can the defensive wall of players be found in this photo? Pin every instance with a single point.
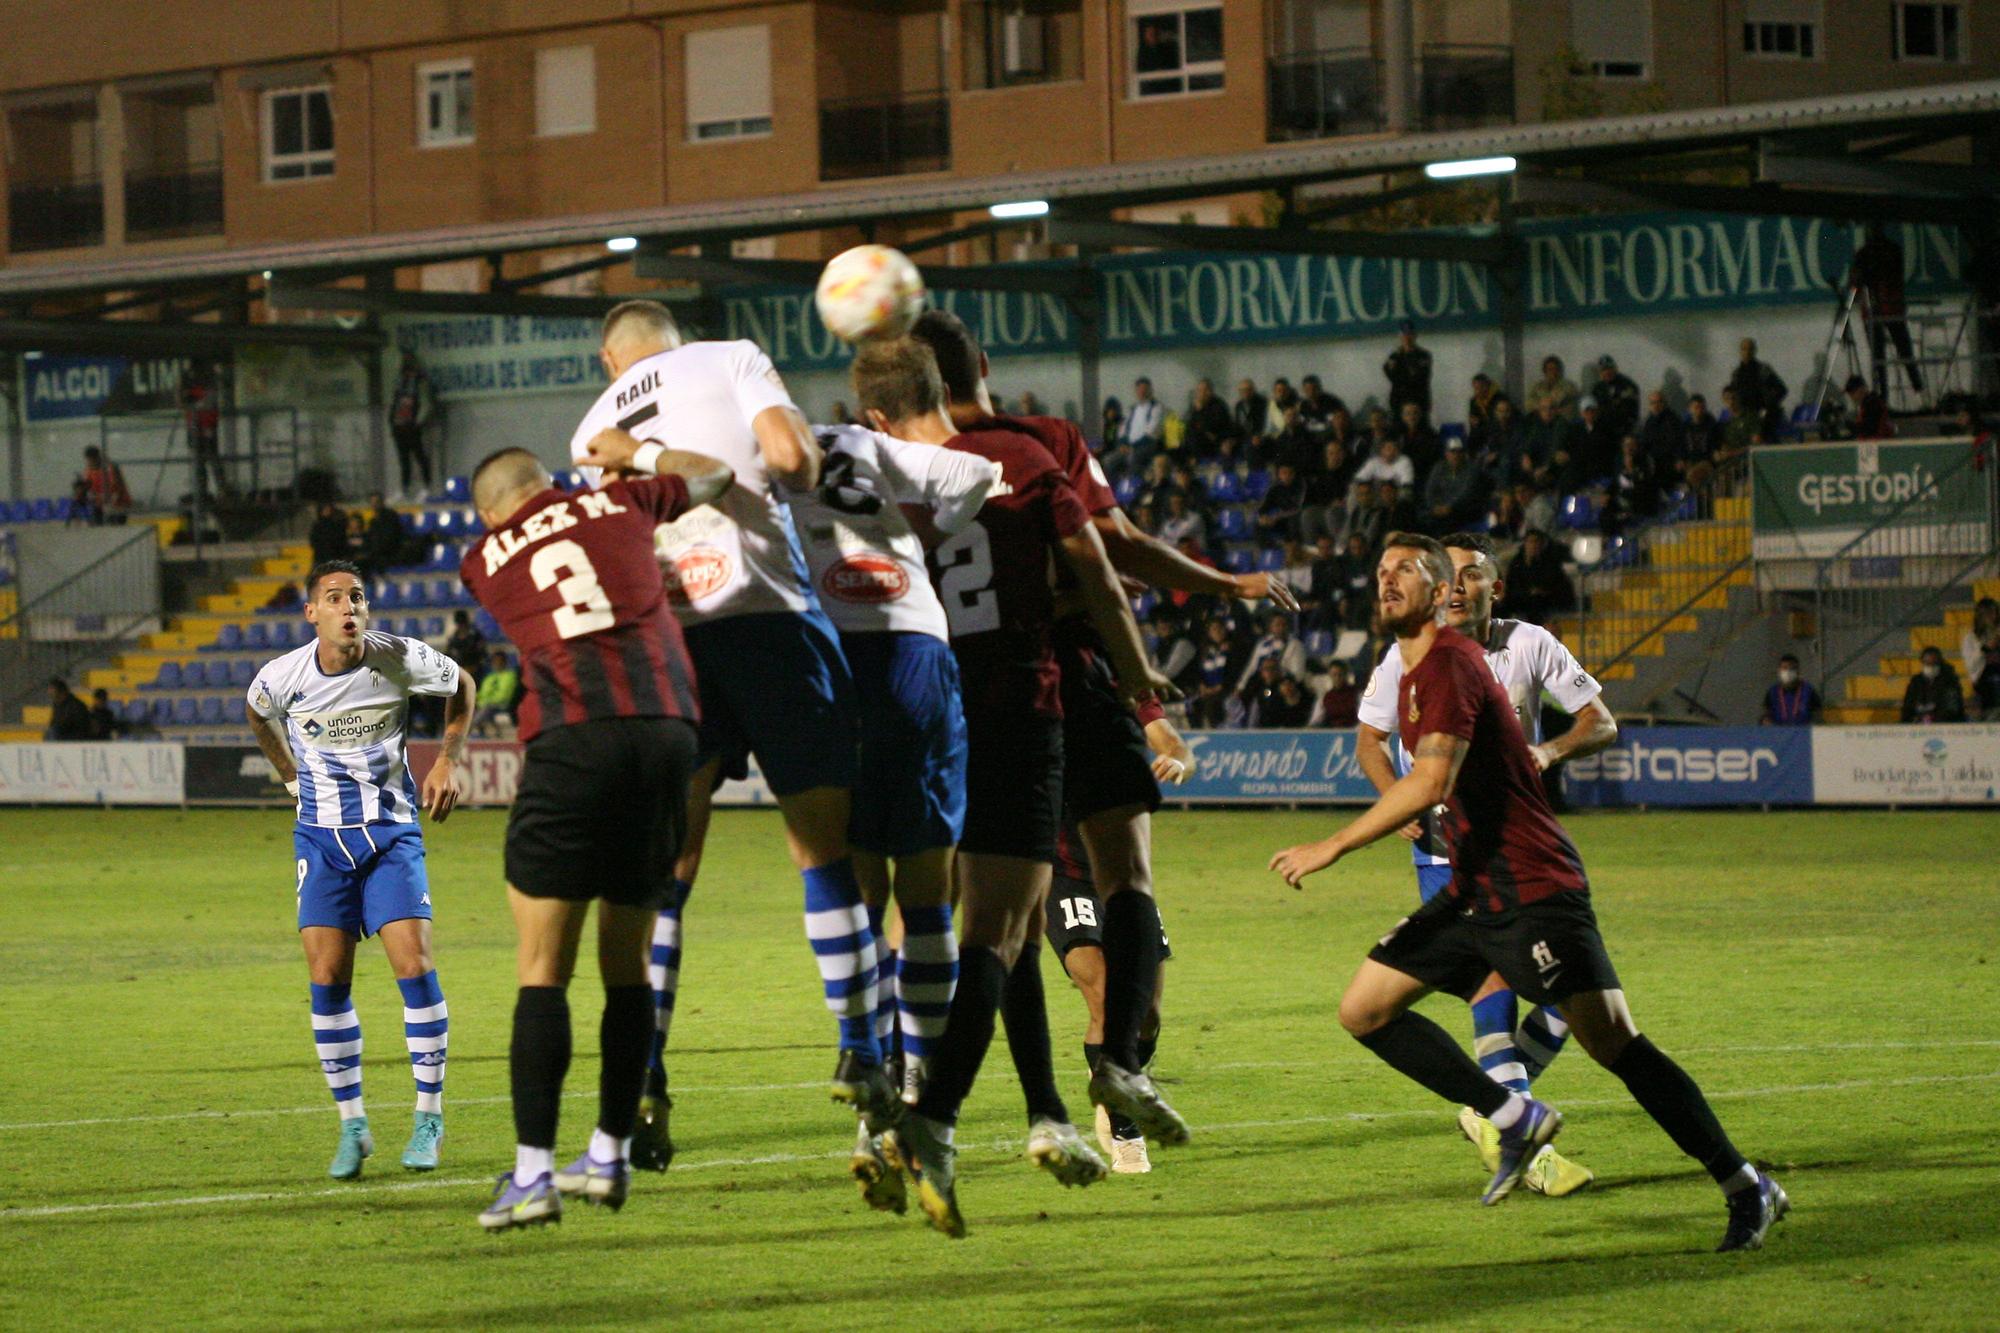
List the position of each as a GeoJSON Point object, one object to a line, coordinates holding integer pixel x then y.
{"type": "Point", "coordinates": [1670, 766]}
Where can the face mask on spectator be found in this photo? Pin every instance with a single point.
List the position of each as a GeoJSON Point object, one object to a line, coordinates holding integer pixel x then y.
{"type": "Point", "coordinates": [1788, 677]}
{"type": "Point", "coordinates": [1930, 671]}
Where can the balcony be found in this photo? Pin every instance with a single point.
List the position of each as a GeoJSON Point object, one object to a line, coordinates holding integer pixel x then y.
{"type": "Point", "coordinates": [1464, 87]}
{"type": "Point", "coordinates": [187, 203]}
{"type": "Point", "coordinates": [58, 215]}
{"type": "Point", "coordinates": [884, 136]}
{"type": "Point", "coordinates": [1325, 94]}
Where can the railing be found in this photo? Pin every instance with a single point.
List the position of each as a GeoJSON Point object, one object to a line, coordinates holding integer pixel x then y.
{"type": "Point", "coordinates": [58, 215]}
{"type": "Point", "coordinates": [184, 204]}
{"type": "Point", "coordinates": [1466, 86]}
{"type": "Point", "coordinates": [95, 610]}
{"type": "Point", "coordinates": [884, 136]}
{"type": "Point", "coordinates": [256, 453]}
{"type": "Point", "coordinates": [1324, 94]}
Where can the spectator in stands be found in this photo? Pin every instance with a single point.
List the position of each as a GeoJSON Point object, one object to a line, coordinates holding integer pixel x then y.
{"type": "Point", "coordinates": [1662, 435]}
{"type": "Point", "coordinates": [1290, 710]}
{"type": "Point", "coordinates": [285, 597]}
{"type": "Point", "coordinates": [466, 646]}
{"type": "Point", "coordinates": [1143, 432]}
{"type": "Point", "coordinates": [1180, 523]}
{"type": "Point", "coordinates": [1145, 517]}
{"type": "Point", "coordinates": [1155, 480]}
{"type": "Point", "coordinates": [1454, 493]}
{"type": "Point", "coordinates": [1325, 511]}
{"type": "Point", "coordinates": [843, 416]}
{"type": "Point", "coordinates": [1258, 692]}
{"type": "Point", "coordinates": [1368, 512]}
{"type": "Point", "coordinates": [1278, 511]}
{"type": "Point", "coordinates": [1355, 576]}
{"type": "Point", "coordinates": [1877, 269]}
{"type": "Point", "coordinates": [1319, 601]}
{"type": "Point", "coordinates": [1291, 440]}
{"type": "Point", "coordinates": [1934, 694]}
{"type": "Point", "coordinates": [1220, 659]}
{"type": "Point", "coordinates": [1792, 701]}
{"type": "Point", "coordinates": [1635, 490]}
{"type": "Point", "coordinates": [328, 534]}
{"type": "Point", "coordinates": [1277, 644]}
{"type": "Point", "coordinates": [1173, 651]}
{"type": "Point", "coordinates": [357, 535]}
{"type": "Point", "coordinates": [1479, 412]}
{"type": "Point", "coordinates": [1501, 442]}
{"type": "Point", "coordinates": [1387, 464]}
{"type": "Point", "coordinates": [1283, 405]}
{"type": "Point", "coordinates": [1759, 391]}
{"type": "Point", "coordinates": [1316, 409]}
{"type": "Point", "coordinates": [1297, 571]}
{"type": "Point", "coordinates": [1979, 649]}
{"type": "Point", "coordinates": [1596, 453]}
{"type": "Point", "coordinates": [1617, 398]}
{"type": "Point", "coordinates": [1113, 454]}
{"type": "Point", "coordinates": [498, 689]}
{"type": "Point", "coordinates": [1339, 705]}
{"type": "Point", "coordinates": [1552, 388]}
{"type": "Point", "coordinates": [1419, 442]}
{"type": "Point", "coordinates": [1029, 406]}
{"type": "Point", "coordinates": [100, 491]}
{"type": "Point", "coordinates": [201, 414]}
{"type": "Point", "coordinates": [1871, 411]}
{"type": "Point", "coordinates": [1209, 709]}
{"type": "Point", "coordinates": [412, 405]}
{"type": "Point", "coordinates": [1210, 428]}
{"type": "Point", "coordinates": [1538, 509]}
{"type": "Point", "coordinates": [69, 716]}
{"type": "Point", "coordinates": [1180, 597]}
{"type": "Point", "coordinates": [1742, 430]}
{"type": "Point", "coordinates": [1548, 443]}
{"type": "Point", "coordinates": [1505, 524]}
{"type": "Point", "coordinates": [383, 540]}
{"type": "Point", "coordinates": [105, 724]}
{"type": "Point", "coordinates": [1409, 372]}
{"type": "Point", "coordinates": [1250, 414]}
{"type": "Point", "coordinates": [1537, 587]}
{"type": "Point", "coordinates": [1696, 463]}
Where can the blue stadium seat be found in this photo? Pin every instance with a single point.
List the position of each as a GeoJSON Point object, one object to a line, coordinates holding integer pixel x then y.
{"type": "Point", "coordinates": [1319, 642]}
{"type": "Point", "coordinates": [241, 672]}
{"type": "Point", "coordinates": [1683, 505]}
{"type": "Point", "coordinates": [443, 556]}
{"type": "Point", "coordinates": [16, 511]}
{"type": "Point", "coordinates": [484, 622]}
{"type": "Point", "coordinates": [458, 489]}
{"type": "Point", "coordinates": [1233, 526]}
{"type": "Point", "coordinates": [1620, 552]}
{"type": "Point", "coordinates": [1256, 484]}
{"type": "Point", "coordinates": [163, 712]}
{"type": "Point", "coordinates": [1272, 560]}
{"type": "Point", "coordinates": [440, 592]}
{"type": "Point", "coordinates": [1126, 489]}
{"type": "Point", "coordinates": [168, 679]}
{"type": "Point", "coordinates": [447, 524]}
{"type": "Point", "coordinates": [1239, 562]}
{"type": "Point", "coordinates": [433, 627]}
{"type": "Point", "coordinates": [194, 675]}
{"type": "Point", "coordinates": [258, 635]}
{"type": "Point", "coordinates": [211, 711]}
{"type": "Point", "coordinates": [43, 511]}
{"type": "Point", "coordinates": [186, 712]}
{"type": "Point", "coordinates": [1451, 430]}
{"type": "Point", "coordinates": [1578, 512]}
{"type": "Point", "coordinates": [423, 522]}
{"type": "Point", "coordinates": [1227, 488]}
{"type": "Point", "coordinates": [65, 508]}
{"type": "Point", "coordinates": [1142, 606]}
{"type": "Point", "coordinates": [138, 712]}
{"type": "Point", "coordinates": [230, 640]}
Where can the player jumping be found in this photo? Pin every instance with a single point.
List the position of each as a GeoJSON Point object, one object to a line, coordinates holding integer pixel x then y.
{"type": "Point", "coordinates": [1528, 660]}
{"type": "Point", "coordinates": [607, 715]}
{"type": "Point", "coordinates": [1519, 905]}
{"type": "Point", "coordinates": [774, 683]}
{"type": "Point", "coordinates": [344, 703]}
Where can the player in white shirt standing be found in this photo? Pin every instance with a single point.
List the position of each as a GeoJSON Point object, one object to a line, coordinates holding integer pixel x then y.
{"type": "Point", "coordinates": [1528, 660]}
{"type": "Point", "coordinates": [768, 665]}
{"type": "Point", "coordinates": [343, 703]}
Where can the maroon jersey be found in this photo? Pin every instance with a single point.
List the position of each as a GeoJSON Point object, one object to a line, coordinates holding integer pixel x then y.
{"type": "Point", "coordinates": [1506, 846]}
{"type": "Point", "coordinates": [993, 577]}
{"type": "Point", "coordinates": [1065, 444]}
{"type": "Point", "coordinates": [573, 582]}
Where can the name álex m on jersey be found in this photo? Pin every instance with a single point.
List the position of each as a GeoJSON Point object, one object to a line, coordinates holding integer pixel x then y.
{"type": "Point", "coordinates": [504, 545]}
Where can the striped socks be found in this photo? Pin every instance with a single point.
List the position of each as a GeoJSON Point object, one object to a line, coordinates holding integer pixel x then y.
{"type": "Point", "coordinates": [926, 977]}
{"type": "Point", "coordinates": [844, 947]}
{"type": "Point", "coordinates": [1541, 1039]}
{"type": "Point", "coordinates": [885, 983]}
{"type": "Point", "coordinates": [337, 1036]}
{"type": "Point", "coordinates": [426, 1029]}
{"type": "Point", "coordinates": [1493, 1041]}
{"type": "Point", "coordinates": [664, 971]}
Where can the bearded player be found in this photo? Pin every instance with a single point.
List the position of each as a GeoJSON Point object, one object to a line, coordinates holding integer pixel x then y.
{"type": "Point", "coordinates": [1529, 661]}
{"type": "Point", "coordinates": [1519, 904]}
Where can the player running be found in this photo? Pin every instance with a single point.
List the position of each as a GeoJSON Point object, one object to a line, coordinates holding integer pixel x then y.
{"type": "Point", "coordinates": [343, 701]}
{"type": "Point", "coordinates": [993, 580]}
{"type": "Point", "coordinates": [1528, 660]}
{"type": "Point", "coordinates": [607, 715]}
{"type": "Point", "coordinates": [1519, 905]}
{"type": "Point", "coordinates": [1109, 792]}
{"type": "Point", "coordinates": [774, 682]}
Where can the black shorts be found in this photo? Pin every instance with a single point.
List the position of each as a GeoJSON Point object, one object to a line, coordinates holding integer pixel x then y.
{"type": "Point", "coordinates": [1013, 784]}
{"type": "Point", "coordinates": [1106, 763]}
{"type": "Point", "coordinates": [1545, 951]}
{"type": "Point", "coordinates": [602, 811]}
{"type": "Point", "coordinates": [1076, 918]}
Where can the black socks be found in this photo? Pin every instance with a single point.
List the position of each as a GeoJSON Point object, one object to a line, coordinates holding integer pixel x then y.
{"type": "Point", "coordinates": [537, 1062]}
{"type": "Point", "coordinates": [1024, 1011]}
{"type": "Point", "coordinates": [1676, 1103]}
{"type": "Point", "coordinates": [982, 982]}
{"type": "Point", "coordinates": [625, 1038]}
{"type": "Point", "coordinates": [1131, 972]}
{"type": "Point", "coordinates": [1419, 1049]}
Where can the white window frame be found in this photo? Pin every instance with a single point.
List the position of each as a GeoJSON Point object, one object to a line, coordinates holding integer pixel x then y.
{"type": "Point", "coordinates": [457, 136]}
{"type": "Point", "coordinates": [1617, 70]}
{"type": "Point", "coordinates": [1138, 10]}
{"type": "Point", "coordinates": [1961, 37]}
{"type": "Point", "coordinates": [1758, 31]}
{"type": "Point", "coordinates": [542, 128]}
{"type": "Point", "coordinates": [311, 160]}
{"type": "Point", "coordinates": [728, 129]}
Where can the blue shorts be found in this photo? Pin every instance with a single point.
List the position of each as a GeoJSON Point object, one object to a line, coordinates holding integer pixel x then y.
{"type": "Point", "coordinates": [911, 793]}
{"type": "Point", "coordinates": [775, 686]}
{"type": "Point", "coordinates": [360, 879]}
{"type": "Point", "coordinates": [1432, 880]}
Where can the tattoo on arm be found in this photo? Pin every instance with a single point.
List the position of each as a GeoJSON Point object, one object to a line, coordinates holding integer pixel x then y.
{"type": "Point", "coordinates": [1451, 749]}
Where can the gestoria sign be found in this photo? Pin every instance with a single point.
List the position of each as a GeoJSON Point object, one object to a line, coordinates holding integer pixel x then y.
{"type": "Point", "coordinates": [1810, 501]}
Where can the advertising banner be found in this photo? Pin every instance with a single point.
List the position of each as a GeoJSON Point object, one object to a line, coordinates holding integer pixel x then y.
{"type": "Point", "coordinates": [56, 388]}
{"type": "Point", "coordinates": [232, 775]}
{"type": "Point", "coordinates": [1950, 765]}
{"type": "Point", "coordinates": [493, 774]}
{"type": "Point", "coordinates": [1697, 766]}
{"type": "Point", "coordinates": [1262, 767]}
{"type": "Point", "coordinates": [91, 773]}
{"type": "Point", "coordinates": [1809, 501]}
{"type": "Point", "coordinates": [473, 356]}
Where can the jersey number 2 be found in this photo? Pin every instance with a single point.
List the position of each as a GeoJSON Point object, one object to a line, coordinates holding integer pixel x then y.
{"type": "Point", "coordinates": [965, 569]}
{"type": "Point", "coordinates": [585, 608]}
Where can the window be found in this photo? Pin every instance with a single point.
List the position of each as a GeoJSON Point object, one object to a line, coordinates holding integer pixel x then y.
{"type": "Point", "coordinates": [729, 82]}
{"type": "Point", "coordinates": [1928, 32]}
{"type": "Point", "coordinates": [1009, 42]}
{"type": "Point", "coordinates": [1176, 47]}
{"type": "Point", "coordinates": [1614, 38]}
{"type": "Point", "coordinates": [444, 104]}
{"type": "Point", "coordinates": [298, 133]}
{"type": "Point", "coordinates": [565, 90]}
{"type": "Point", "coordinates": [1782, 29]}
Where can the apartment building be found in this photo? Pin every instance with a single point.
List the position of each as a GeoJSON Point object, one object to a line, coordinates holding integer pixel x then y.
{"type": "Point", "coordinates": [236, 122]}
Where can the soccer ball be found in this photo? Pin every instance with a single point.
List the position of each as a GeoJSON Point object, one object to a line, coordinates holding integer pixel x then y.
{"type": "Point", "coordinates": [871, 291]}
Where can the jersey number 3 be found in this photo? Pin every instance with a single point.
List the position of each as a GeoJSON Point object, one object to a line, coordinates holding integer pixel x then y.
{"type": "Point", "coordinates": [585, 608]}
{"type": "Point", "coordinates": [965, 573]}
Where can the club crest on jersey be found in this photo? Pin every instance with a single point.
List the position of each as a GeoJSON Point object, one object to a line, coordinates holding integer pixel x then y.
{"type": "Point", "coordinates": [312, 728]}
{"type": "Point", "coordinates": [868, 579]}
{"type": "Point", "coordinates": [1413, 708]}
{"type": "Point", "coordinates": [263, 700]}
{"type": "Point", "coordinates": [698, 572]}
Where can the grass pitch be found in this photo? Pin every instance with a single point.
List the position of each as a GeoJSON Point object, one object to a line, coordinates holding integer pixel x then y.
{"type": "Point", "coordinates": [1831, 979]}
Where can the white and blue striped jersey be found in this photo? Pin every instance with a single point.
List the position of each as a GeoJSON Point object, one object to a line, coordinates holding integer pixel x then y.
{"type": "Point", "coordinates": [1527, 659]}
{"type": "Point", "coordinates": [346, 731]}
